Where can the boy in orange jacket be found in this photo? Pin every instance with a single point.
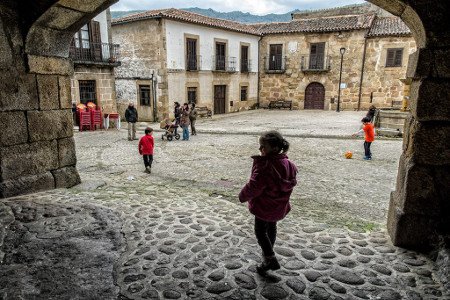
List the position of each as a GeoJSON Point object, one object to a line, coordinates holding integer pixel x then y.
{"type": "Point", "coordinates": [146, 145]}
{"type": "Point", "coordinates": [369, 137]}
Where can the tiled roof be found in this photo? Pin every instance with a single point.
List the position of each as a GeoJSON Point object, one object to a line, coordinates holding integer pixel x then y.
{"type": "Point", "coordinates": [186, 16]}
{"type": "Point", "coordinates": [326, 24]}
{"type": "Point", "coordinates": [392, 26]}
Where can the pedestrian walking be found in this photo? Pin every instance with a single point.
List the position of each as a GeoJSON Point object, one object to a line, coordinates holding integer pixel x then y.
{"type": "Point", "coordinates": [272, 180]}
{"type": "Point", "coordinates": [193, 118]}
{"type": "Point", "coordinates": [177, 114]}
{"type": "Point", "coordinates": [131, 115]}
{"type": "Point", "coordinates": [184, 121]}
{"type": "Point", "coordinates": [371, 113]}
{"type": "Point", "coordinates": [369, 136]}
{"type": "Point", "coordinates": [146, 146]}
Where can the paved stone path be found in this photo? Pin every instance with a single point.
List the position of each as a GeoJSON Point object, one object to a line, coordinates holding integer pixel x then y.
{"type": "Point", "coordinates": [180, 232]}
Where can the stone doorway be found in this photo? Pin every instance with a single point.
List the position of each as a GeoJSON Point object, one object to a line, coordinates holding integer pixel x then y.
{"type": "Point", "coordinates": [315, 96]}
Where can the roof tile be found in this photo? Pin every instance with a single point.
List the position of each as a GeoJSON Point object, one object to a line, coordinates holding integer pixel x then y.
{"type": "Point", "coordinates": [388, 26]}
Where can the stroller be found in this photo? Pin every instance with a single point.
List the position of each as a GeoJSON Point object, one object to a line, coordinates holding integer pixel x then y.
{"type": "Point", "coordinates": [169, 132]}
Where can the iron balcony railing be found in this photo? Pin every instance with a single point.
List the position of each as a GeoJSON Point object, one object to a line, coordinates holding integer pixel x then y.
{"type": "Point", "coordinates": [193, 62]}
{"type": "Point", "coordinates": [317, 63]}
{"type": "Point", "coordinates": [224, 63]}
{"type": "Point", "coordinates": [275, 63]}
{"type": "Point", "coordinates": [95, 52]}
{"type": "Point", "coordinates": [246, 65]}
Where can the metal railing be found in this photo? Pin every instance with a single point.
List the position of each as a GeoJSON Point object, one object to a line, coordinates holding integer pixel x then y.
{"type": "Point", "coordinates": [193, 62]}
{"type": "Point", "coordinates": [315, 63]}
{"type": "Point", "coordinates": [95, 52]}
{"type": "Point", "coordinates": [275, 63]}
{"type": "Point", "coordinates": [246, 65]}
{"type": "Point", "coordinates": [224, 63]}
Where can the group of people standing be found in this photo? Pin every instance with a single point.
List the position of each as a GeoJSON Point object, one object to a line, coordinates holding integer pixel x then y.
{"type": "Point", "coordinates": [185, 116]}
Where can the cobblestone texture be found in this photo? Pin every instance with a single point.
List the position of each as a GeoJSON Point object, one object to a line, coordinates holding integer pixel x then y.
{"type": "Point", "coordinates": [180, 232]}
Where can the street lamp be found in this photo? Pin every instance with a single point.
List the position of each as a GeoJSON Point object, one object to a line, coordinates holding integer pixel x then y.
{"type": "Point", "coordinates": [342, 51]}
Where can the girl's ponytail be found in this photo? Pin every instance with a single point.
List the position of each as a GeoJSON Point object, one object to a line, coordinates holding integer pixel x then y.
{"type": "Point", "coordinates": [284, 146]}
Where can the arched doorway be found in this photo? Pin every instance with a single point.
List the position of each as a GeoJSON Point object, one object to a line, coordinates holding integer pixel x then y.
{"type": "Point", "coordinates": [315, 96]}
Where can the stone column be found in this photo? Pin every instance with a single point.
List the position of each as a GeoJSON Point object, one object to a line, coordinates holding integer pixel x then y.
{"type": "Point", "coordinates": [37, 149]}
{"type": "Point", "coordinates": [419, 211]}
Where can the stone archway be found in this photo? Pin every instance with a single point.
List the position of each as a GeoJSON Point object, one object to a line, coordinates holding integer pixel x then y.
{"type": "Point", "coordinates": [315, 96]}
{"type": "Point", "coordinates": [37, 147]}
{"type": "Point", "coordinates": [37, 150]}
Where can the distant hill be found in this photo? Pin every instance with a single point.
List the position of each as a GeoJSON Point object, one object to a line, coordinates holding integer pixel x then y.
{"type": "Point", "coordinates": [233, 16]}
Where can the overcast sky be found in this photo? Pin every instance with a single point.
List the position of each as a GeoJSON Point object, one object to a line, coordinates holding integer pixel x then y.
{"type": "Point", "coordinates": [256, 7]}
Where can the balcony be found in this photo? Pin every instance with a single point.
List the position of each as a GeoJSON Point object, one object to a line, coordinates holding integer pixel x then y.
{"type": "Point", "coordinates": [224, 63]}
{"type": "Point", "coordinates": [246, 65]}
{"type": "Point", "coordinates": [315, 63]}
{"type": "Point", "coordinates": [193, 62]}
{"type": "Point", "coordinates": [275, 64]}
{"type": "Point", "coordinates": [95, 53]}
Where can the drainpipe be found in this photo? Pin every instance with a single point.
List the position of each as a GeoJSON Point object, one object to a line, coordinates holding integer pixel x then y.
{"type": "Point", "coordinates": [258, 73]}
{"type": "Point", "coordinates": [362, 70]}
{"type": "Point", "coordinates": [154, 85]}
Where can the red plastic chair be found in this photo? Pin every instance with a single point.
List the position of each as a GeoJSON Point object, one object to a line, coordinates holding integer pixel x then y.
{"type": "Point", "coordinates": [96, 119]}
{"type": "Point", "coordinates": [85, 120]}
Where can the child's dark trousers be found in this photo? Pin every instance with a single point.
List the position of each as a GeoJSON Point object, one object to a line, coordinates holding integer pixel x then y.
{"type": "Point", "coordinates": [367, 152]}
{"type": "Point", "coordinates": [148, 160]}
{"type": "Point", "coordinates": [266, 234]}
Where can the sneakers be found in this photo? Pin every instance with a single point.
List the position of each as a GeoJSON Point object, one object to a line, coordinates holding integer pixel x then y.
{"type": "Point", "coordinates": [367, 158]}
{"type": "Point", "coordinates": [269, 263]}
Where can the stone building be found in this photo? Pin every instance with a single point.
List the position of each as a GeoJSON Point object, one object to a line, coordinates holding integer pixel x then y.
{"type": "Point", "coordinates": [173, 55]}
{"type": "Point", "coordinates": [301, 60]}
{"type": "Point", "coordinates": [95, 58]}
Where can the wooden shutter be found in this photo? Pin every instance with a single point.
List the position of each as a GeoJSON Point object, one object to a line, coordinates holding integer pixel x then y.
{"type": "Point", "coordinates": [390, 57]}
{"type": "Point", "coordinates": [398, 57]}
{"type": "Point", "coordinates": [96, 39]}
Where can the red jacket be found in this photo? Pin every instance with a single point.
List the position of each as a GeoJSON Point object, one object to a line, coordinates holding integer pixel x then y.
{"type": "Point", "coordinates": [271, 183]}
{"type": "Point", "coordinates": [146, 145]}
{"type": "Point", "coordinates": [369, 132]}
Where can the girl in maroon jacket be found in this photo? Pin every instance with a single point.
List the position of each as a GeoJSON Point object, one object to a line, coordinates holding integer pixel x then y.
{"type": "Point", "coordinates": [271, 183]}
{"type": "Point", "coordinates": [146, 145]}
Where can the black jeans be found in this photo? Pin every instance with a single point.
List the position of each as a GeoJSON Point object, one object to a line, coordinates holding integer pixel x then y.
{"type": "Point", "coordinates": [367, 152]}
{"type": "Point", "coordinates": [148, 159]}
{"type": "Point", "coordinates": [266, 234]}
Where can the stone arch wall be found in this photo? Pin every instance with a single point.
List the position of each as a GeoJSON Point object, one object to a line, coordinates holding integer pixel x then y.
{"type": "Point", "coordinates": [420, 206]}
{"type": "Point", "coordinates": [37, 150]}
{"type": "Point", "coordinates": [36, 140]}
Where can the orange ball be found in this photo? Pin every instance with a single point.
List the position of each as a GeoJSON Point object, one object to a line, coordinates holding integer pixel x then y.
{"type": "Point", "coordinates": [348, 154]}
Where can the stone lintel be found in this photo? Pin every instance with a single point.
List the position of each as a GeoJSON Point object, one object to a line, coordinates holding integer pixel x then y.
{"type": "Point", "coordinates": [87, 6]}
{"type": "Point", "coordinates": [50, 124]}
{"type": "Point", "coordinates": [50, 65]}
{"type": "Point", "coordinates": [27, 184]}
{"type": "Point", "coordinates": [59, 18]}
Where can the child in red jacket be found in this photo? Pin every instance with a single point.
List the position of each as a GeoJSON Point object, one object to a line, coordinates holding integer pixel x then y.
{"type": "Point", "coordinates": [369, 136]}
{"type": "Point", "coordinates": [146, 145]}
{"type": "Point", "coordinates": [271, 183]}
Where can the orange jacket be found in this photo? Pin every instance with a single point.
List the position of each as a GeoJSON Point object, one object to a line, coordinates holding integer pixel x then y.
{"type": "Point", "coordinates": [369, 132]}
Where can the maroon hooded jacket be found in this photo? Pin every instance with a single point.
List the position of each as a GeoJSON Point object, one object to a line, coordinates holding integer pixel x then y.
{"type": "Point", "coordinates": [271, 183]}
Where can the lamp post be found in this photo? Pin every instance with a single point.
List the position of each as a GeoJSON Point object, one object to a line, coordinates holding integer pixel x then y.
{"type": "Point", "coordinates": [342, 51]}
{"type": "Point", "coordinates": [154, 84]}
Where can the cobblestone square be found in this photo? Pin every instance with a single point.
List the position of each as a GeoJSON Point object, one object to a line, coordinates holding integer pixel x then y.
{"type": "Point", "coordinates": [181, 233]}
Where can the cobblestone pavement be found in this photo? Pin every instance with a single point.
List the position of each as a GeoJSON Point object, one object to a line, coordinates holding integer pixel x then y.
{"type": "Point", "coordinates": [180, 233]}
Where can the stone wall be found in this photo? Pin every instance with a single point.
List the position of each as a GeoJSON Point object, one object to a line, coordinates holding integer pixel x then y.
{"type": "Point", "coordinates": [291, 84]}
{"type": "Point", "coordinates": [104, 84]}
{"type": "Point", "coordinates": [142, 46]}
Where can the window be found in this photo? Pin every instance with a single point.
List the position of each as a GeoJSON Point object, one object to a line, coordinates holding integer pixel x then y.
{"type": "Point", "coordinates": [220, 56]}
{"type": "Point", "coordinates": [244, 90]}
{"type": "Point", "coordinates": [192, 95]}
{"type": "Point", "coordinates": [191, 52]}
{"type": "Point", "coordinates": [144, 95]}
{"type": "Point", "coordinates": [394, 57]}
{"type": "Point", "coordinates": [87, 91]}
{"type": "Point", "coordinates": [275, 57]}
{"type": "Point", "coordinates": [317, 56]}
{"type": "Point", "coordinates": [244, 59]}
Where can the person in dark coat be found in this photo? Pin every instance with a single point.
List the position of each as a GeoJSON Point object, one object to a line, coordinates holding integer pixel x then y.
{"type": "Point", "coordinates": [272, 181]}
{"type": "Point", "coordinates": [131, 115]}
{"type": "Point", "coordinates": [371, 113]}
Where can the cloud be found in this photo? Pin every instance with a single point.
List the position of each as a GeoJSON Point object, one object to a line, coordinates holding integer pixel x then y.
{"type": "Point", "coordinates": [259, 7]}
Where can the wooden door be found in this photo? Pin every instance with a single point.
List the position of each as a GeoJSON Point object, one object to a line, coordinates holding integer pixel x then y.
{"type": "Point", "coordinates": [219, 99]}
{"type": "Point", "coordinates": [315, 96]}
{"type": "Point", "coordinates": [275, 57]}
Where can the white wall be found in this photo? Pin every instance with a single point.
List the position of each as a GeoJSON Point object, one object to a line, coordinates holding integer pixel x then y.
{"type": "Point", "coordinates": [175, 39]}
